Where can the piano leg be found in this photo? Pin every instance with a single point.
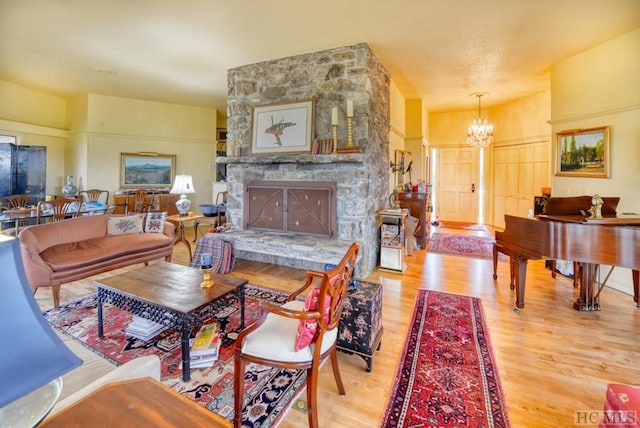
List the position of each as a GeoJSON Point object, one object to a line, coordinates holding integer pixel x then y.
{"type": "Point", "coordinates": [496, 250]}
{"type": "Point", "coordinates": [495, 261]}
{"type": "Point", "coordinates": [519, 265]}
{"type": "Point", "coordinates": [636, 286]}
{"type": "Point", "coordinates": [588, 299]}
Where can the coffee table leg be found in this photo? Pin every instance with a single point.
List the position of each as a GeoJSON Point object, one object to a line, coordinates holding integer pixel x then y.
{"type": "Point", "coordinates": [100, 329]}
{"type": "Point", "coordinates": [186, 359]}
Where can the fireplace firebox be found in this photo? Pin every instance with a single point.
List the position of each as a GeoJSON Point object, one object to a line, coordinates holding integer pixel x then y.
{"type": "Point", "coordinates": [301, 207]}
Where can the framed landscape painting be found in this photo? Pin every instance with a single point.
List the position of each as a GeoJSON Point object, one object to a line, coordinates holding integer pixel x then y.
{"type": "Point", "coordinates": [584, 153]}
{"type": "Point", "coordinates": [146, 170]}
{"type": "Point", "coordinates": [282, 128]}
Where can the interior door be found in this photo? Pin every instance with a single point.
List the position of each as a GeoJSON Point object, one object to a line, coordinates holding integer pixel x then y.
{"type": "Point", "coordinates": [457, 183]}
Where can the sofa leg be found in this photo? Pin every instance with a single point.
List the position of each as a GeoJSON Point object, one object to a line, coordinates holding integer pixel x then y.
{"type": "Point", "coordinates": [56, 296]}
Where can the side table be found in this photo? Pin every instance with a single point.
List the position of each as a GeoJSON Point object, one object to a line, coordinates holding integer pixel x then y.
{"type": "Point", "coordinates": [179, 220]}
{"type": "Point", "coordinates": [360, 329]}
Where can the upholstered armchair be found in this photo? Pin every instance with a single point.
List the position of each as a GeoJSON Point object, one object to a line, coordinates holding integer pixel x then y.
{"type": "Point", "coordinates": [299, 334]}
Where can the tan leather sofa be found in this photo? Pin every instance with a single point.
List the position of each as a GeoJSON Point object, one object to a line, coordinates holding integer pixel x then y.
{"type": "Point", "coordinates": [58, 253]}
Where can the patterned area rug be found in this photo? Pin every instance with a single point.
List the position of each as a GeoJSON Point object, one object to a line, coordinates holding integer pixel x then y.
{"type": "Point", "coordinates": [269, 391]}
{"type": "Point", "coordinates": [461, 225]}
{"type": "Point", "coordinates": [461, 245]}
{"type": "Point", "coordinates": [447, 376]}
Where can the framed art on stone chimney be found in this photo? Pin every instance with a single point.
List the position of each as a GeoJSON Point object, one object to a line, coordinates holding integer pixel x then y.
{"type": "Point", "coordinates": [282, 128]}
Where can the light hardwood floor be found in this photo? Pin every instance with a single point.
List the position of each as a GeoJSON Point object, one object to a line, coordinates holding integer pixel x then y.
{"type": "Point", "coordinates": [553, 360]}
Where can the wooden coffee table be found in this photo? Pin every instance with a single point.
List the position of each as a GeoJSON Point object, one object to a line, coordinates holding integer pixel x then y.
{"type": "Point", "coordinates": [171, 295]}
{"type": "Point", "coordinates": [141, 402]}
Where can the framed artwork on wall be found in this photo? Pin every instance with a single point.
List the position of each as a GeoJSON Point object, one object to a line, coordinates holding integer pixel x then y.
{"type": "Point", "coordinates": [584, 153]}
{"type": "Point", "coordinates": [146, 170]}
{"type": "Point", "coordinates": [282, 128]}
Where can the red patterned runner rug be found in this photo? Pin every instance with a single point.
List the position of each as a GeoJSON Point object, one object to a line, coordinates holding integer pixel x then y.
{"type": "Point", "coordinates": [447, 376]}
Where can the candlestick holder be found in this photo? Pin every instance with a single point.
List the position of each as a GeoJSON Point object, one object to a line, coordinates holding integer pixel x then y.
{"type": "Point", "coordinates": [207, 282]}
{"type": "Point", "coordinates": [335, 139]}
{"type": "Point", "coordinates": [350, 132]}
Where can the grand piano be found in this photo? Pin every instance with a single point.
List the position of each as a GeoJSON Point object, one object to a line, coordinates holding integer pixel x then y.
{"type": "Point", "coordinates": [611, 240]}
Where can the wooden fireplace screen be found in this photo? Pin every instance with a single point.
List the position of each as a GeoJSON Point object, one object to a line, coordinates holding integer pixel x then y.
{"type": "Point", "coordinates": [291, 206]}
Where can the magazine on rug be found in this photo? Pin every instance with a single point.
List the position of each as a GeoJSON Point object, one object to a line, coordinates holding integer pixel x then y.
{"type": "Point", "coordinates": [205, 347]}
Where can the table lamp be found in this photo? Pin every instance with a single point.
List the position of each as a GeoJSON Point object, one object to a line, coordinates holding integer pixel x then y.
{"type": "Point", "coordinates": [32, 356]}
{"type": "Point", "coordinates": [182, 185]}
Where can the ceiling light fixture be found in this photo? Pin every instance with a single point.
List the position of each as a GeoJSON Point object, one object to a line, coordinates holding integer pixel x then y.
{"type": "Point", "coordinates": [480, 133]}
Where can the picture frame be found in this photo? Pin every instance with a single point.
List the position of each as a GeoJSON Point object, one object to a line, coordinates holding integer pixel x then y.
{"type": "Point", "coordinates": [584, 153]}
{"type": "Point", "coordinates": [282, 128]}
{"type": "Point", "coordinates": [147, 170]}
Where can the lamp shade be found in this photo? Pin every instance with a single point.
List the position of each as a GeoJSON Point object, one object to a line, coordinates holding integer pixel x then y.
{"type": "Point", "coordinates": [32, 354]}
{"type": "Point", "coordinates": [183, 184]}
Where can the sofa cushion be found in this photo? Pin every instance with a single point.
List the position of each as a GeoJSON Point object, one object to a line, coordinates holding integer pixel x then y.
{"type": "Point", "coordinates": [73, 255]}
{"type": "Point", "coordinates": [125, 225]}
{"type": "Point", "coordinates": [154, 222]}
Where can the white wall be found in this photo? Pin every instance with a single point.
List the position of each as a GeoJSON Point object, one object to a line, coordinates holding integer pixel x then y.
{"type": "Point", "coordinates": [600, 87]}
{"type": "Point", "coordinates": [37, 119]}
{"type": "Point", "coordinates": [121, 125]}
{"type": "Point", "coordinates": [396, 128]}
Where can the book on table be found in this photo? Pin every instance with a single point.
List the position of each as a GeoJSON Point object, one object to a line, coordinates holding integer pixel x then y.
{"type": "Point", "coordinates": [143, 329]}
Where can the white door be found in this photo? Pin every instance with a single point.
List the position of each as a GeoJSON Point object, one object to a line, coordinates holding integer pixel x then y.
{"type": "Point", "coordinates": [520, 171]}
{"type": "Point", "coordinates": [457, 184]}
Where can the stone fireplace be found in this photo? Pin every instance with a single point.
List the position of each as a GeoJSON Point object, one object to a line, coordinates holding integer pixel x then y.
{"type": "Point", "coordinates": [330, 78]}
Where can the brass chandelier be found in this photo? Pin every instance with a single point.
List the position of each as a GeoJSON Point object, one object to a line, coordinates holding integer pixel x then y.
{"type": "Point", "coordinates": [480, 133]}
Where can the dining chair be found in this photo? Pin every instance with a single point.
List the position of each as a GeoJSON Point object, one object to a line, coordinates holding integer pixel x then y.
{"type": "Point", "coordinates": [18, 201]}
{"type": "Point", "coordinates": [57, 209]}
{"type": "Point", "coordinates": [299, 334]}
{"type": "Point", "coordinates": [143, 201]}
{"type": "Point", "coordinates": [97, 198]}
{"type": "Point", "coordinates": [95, 195]}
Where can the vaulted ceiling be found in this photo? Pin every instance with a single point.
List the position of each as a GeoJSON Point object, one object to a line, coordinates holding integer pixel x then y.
{"type": "Point", "coordinates": [180, 51]}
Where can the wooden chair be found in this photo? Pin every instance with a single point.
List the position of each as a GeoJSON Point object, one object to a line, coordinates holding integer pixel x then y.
{"type": "Point", "coordinates": [143, 202]}
{"type": "Point", "coordinates": [95, 195]}
{"type": "Point", "coordinates": [271, 340]}
{"type": "Point", "coordinates": [58, 209]}
{"type": "Point", "coordinates": [15, 202]}
{"type": "Point", "coordinates": [18, 201]}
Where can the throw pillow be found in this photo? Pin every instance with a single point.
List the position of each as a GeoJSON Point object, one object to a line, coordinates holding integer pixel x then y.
{"type": "Point", "coordinates": [308, 329]}
{"type": "Point", "coordinates": [124, 225]}
{"type": "Point", "coordinates": [155, 222]}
